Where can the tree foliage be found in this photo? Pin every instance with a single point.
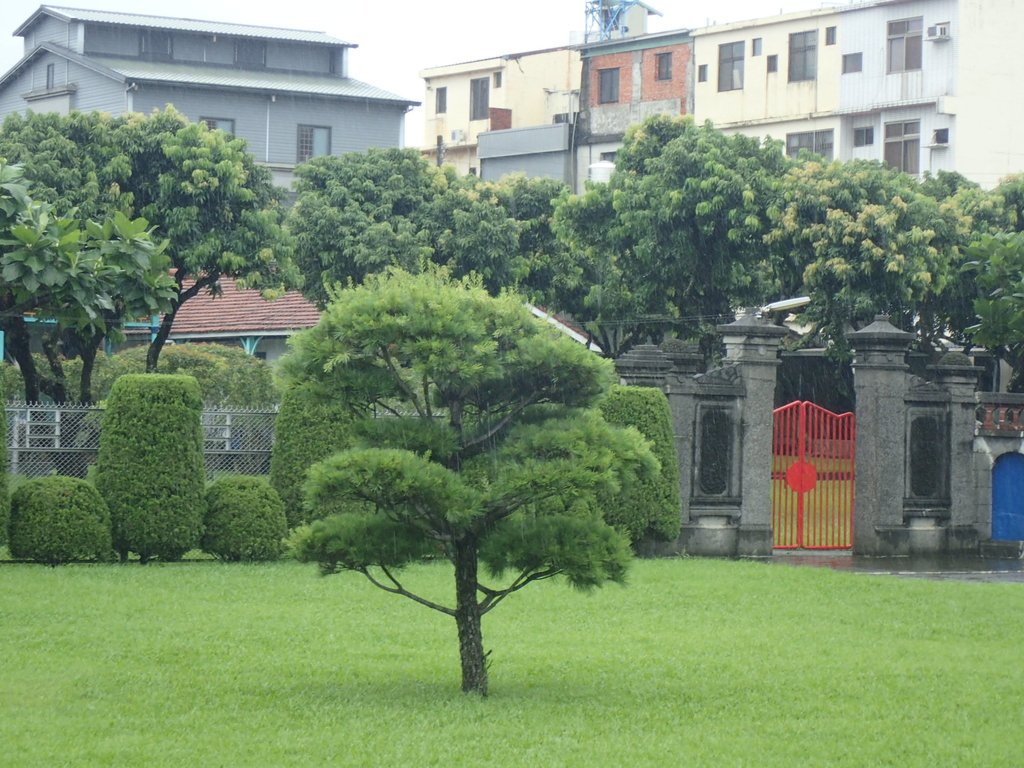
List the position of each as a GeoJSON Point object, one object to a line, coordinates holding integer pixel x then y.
{"type": "Point", "coordinates": [860, 238]}
{"type": "Point", "coordinates": [997, 266]}
{"type": "Point", "coordinates": [85, 275]}
{"type": "Point", "coordinates": [478, 444]}
{"type": "Point", "coordinates": [674, 241]}
{"type": "Point", "coordinates": [358, 214]}
{"type": "Point", "coordinates": [199, 188]}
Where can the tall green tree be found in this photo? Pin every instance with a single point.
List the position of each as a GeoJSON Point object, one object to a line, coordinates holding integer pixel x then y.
{"type": "Point", "coordinates": [199, 188]}
{"type": "Point", "coordinates": [478, 444]}
{"type": "Point", "coordinates": [674, 240]}
{"type": "Point", "coordinates": [860, 238]}
{"type": "Point", "coordinates": [358, 214]}
{"type": "Point", "coordinates": [996, 266]}
{"type": "Point", "coordinates": [85, 275]}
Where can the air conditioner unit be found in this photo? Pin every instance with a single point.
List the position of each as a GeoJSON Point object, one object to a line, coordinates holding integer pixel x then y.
{"type": "Point", "coordinates": [939, 31]}
{"type": "Point", "coordinates": [458, 135]}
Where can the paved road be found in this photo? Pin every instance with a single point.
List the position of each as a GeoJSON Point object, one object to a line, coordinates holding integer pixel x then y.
{"type": "Point", "coordinates": [955, 568]}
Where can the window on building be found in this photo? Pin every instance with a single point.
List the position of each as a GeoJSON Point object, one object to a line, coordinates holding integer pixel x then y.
{"type": "Point", "coordinates": [608, 86]}
{"type": "Point", "coordinates": [852, 62]}
{"type": "Point", "coordinates": [940, 136]}
{"type": "Point", "coordinates": [803, 56]}
{"type": "Point", "coordinates": [251, 53]}
{"type": "Point", "coordinates": [441, 100]}
{"type": "Point", "coordinates": [225, 124]}
{"type": "Point", "coordinates": [155, 44]}
{"type": "Point", "coordinates": [864, 137]}
{"type": "Point", "coordinates": [818, 142]}
{"type": "Point", "coordinates": [497, 79]}
{"type": "Point", "coordinates": [773, 63]}
{"type": "Point", "coordinates": [663, 66]}
{"type": "Point", "coordinates": [608, 157]}
{"type": "Point", "coordinates": [755, 46]}
{"type": "Point", "coordinates": [830, 35]}
{"type": "Point", "coordinates": [314, 141]}
{"type": "Point", "coordinates": [730, 66]}
{"type": "Point", "coordinates": [479, 98]}
{"type": "Point", "coordinates": [51, 76]}
{"type": "Point", "coordinates": [702, 73]}
{"type": "Point", "coordinates": [904, 45]}
{"type": "Point", "coordinates": [903, 146]}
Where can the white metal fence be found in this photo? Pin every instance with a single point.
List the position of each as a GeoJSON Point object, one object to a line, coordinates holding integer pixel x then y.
{"type": "Point", "coordinates": [48, 439]}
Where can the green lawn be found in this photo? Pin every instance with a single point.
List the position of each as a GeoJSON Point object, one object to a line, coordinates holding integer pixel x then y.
{"type": "Point", "coordinates": [695, 662]}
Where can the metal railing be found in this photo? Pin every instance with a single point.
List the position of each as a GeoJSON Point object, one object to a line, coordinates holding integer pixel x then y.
{"type": "Point", "coordinates": [48, 439]}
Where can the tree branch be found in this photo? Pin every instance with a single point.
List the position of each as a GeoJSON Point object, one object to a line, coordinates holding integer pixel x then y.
{"type": "Point", "coordinates": [504, 422]}
{"type": "Point", "coordinates": [402, 383]}
{"type": "Point", "coordinates": [398, 589]}
{"type": "Point", "coordinates": [495, 596]}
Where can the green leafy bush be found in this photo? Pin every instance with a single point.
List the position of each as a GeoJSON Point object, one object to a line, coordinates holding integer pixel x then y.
{"type": "Point", "coordinates": [150, 465]}
{"type": "Point", "coordinates": [649, 509]}
{"type": "Point", "coordinates": [307, 429]}
{"type": "Point", "coordinates": [58, 520]}
{"type": "Point", "coordinates": [244, 519]}
{"type": "Point", "coordinates": [226, 375]}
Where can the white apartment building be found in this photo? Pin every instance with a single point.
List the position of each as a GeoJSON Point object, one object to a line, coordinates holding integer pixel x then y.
{"type": "Point", "coordinates": [923, 85]}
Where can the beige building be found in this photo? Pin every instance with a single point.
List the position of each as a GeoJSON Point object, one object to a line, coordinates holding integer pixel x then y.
{"type": "Point", "coordinates": [775, 77]}
{"type": "Point", "coordinates": [517, 90]}
{"type": "Point", "coordinates": [923, 85]}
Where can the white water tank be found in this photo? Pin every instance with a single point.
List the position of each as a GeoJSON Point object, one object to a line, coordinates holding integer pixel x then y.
{"type": "Point", "coordinates": [601, 171]}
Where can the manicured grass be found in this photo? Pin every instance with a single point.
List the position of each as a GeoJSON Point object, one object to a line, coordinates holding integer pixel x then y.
{"type": "Point", "coordinates": [696, 662]}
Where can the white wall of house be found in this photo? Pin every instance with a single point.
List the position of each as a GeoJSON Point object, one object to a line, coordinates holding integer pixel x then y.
{"type": "Point", "coordinates": [989, 136]}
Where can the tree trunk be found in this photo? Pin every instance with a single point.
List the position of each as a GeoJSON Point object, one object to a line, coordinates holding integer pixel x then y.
{"type": "Point", "coordinates": [18, 346]}
{"type": "Point", "coordinates": [467, 618]}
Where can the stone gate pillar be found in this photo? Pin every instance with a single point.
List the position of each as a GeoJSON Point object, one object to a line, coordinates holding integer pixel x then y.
{"type": "Point", "coordinates": [879, 382]}
{"type": "Point", "coordinates": [752, 344]}
{"type": "Point", "coordinates": [956, 374]}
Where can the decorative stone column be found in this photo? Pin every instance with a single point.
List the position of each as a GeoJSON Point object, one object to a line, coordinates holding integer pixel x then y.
{"type": "Point", "coordinates": [880, 381]}
{"type": "Point", "coordinates": [956, 374]}
{"type": "Point", "coordinates": [645, 365]}
{"type": "Point", "coordinates": [752, 344]}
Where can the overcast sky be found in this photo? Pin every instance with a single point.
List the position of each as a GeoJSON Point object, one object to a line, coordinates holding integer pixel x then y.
{"type": "Point", "coordinates": [398, 38]}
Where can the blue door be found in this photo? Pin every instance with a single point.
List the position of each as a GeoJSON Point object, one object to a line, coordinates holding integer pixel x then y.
{"type": "Point", "coordinates": [1008, 498]}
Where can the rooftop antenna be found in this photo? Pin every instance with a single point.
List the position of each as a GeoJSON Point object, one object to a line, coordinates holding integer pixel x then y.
{"type": "Point", "coordinates": [606, 19]}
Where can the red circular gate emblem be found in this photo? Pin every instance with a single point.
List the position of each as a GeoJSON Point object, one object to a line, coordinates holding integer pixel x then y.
{"type": "Point", "coordinates": [801, 476]}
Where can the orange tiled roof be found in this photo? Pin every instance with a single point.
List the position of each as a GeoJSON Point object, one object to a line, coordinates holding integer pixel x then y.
{"type": "Point", "coordinates": [243, 312]}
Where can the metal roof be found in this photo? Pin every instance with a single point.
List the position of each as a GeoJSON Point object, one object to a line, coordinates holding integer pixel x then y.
{"type": "Point", "coordinates": [185, 25]}
{"type": "Point", "coordinates": [247, 79]}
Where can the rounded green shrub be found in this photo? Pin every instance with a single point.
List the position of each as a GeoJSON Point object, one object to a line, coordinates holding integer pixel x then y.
{"type": "Point", "coordinates": [306, 430]}
{"type": "Point", "coordinates": [649, 509]}
{"type": "Point", "coordinates": [244, 519]}
{"type": "Point", "coordinates": [226, 375]}
{"type": "Point", "coordinates": [57, 520]}
{"type": "Point", "coordinates": [150, 465]}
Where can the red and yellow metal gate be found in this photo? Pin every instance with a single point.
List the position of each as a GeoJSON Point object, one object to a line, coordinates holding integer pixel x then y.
{"type": "Point", "coordinates": [812, 478]}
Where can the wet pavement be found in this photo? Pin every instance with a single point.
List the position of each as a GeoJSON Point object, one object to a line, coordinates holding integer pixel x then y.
{"type": "Point", "coordinates": [945, 567]}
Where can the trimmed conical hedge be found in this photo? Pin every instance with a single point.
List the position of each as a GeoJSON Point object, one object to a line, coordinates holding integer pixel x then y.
{"type": "Point", "coordinates": [150, 465]}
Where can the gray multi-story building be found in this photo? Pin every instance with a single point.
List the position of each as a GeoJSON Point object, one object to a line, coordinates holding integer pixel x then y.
{"type": "Point", "coordinates": [286, 92]}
